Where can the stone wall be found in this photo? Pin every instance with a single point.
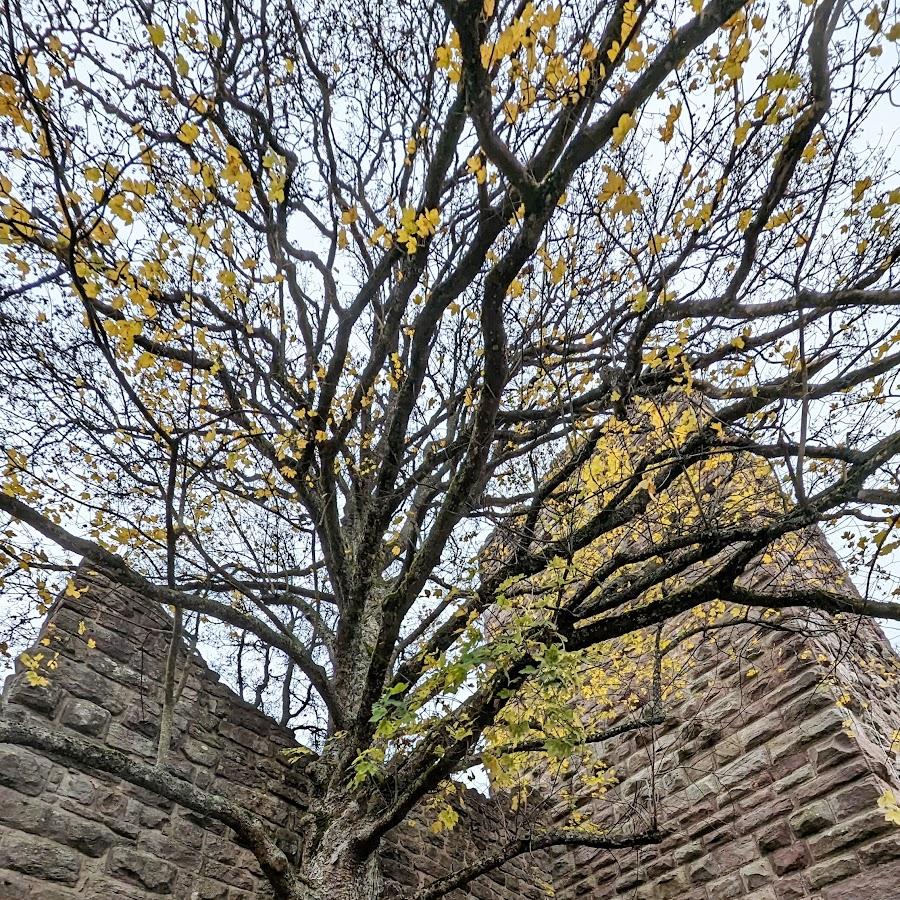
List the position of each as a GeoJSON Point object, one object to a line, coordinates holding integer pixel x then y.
{"type": "Point", "coordinates": [67, 834]}
{"type": "Point", "coordinates": [769, 774]}
{"type": "Point", "coordinates": [767, 778]}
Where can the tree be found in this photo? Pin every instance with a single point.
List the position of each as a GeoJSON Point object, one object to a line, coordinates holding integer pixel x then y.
{"type": "Point", "coordinates": [300, 301]}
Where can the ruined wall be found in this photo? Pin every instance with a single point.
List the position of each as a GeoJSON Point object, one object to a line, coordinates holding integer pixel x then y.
{"type": "Point", "coordinates": [769, 774]}
{"type": "Point", "coordinates": [66, 833]}
{"type": "Point", "coordinates": [768, 779]}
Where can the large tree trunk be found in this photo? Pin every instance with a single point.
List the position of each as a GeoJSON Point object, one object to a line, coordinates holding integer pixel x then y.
{"type": "Point", "coordinates": [343, 879]}
{"type": "Point", "coordinates": [337, 871]}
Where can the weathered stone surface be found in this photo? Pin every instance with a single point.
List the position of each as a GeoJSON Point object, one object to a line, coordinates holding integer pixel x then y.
{"type": "Point", "coordinates": [832, 870]}
{"type": "Point", "coordinates": [812, 819]}
{"type": "Point", "coordinates": [790, 858]}
{"type": "Point", "coordinates": [85, 716]}
{"type": "Point", "coordinates": [776, 835]}
{"type": "Point", "coordinates": [768, 799]}
{"type": "Point", "coordinates": [43, 699]}
{"type": "Point", "coordinates": [847, 833]}
{"type": "Point", "coordinates": [867, 885]}
{"type": "Point", "coordinates": [12, 886]}
{"type": "Point", "coordinates": [154, 874]}
{"type": "Point", "coordinates": [880, 851]}
{"type": "Point", "coordinates": [23, 770]}
{"type": "Point", "coordinates": [36, 856]}
{"type": "Point", "coordinates": [91, 838]}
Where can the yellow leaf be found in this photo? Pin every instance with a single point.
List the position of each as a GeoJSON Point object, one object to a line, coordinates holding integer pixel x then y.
{"type": "Point", "coordinates": [188, 133]}
{"type": "Point", "coordinates": [782, 80]}
{"type": "Point", "coordinates": [873, 19]}
{"type": "Point", "coordinates": [349, 216]}
{"type": "Point", "coordinates": [625, 124]}
{"type": "Point", "coordinates": [668, 130]}
{"type": "Point", "coordinates": [36, 680]}
{"type": "Point", "coordinates": [888, 802]}
{"type": "Point", "coordinates": [157, 35]}
{"type": "Point", "coordinates": [860, 188]}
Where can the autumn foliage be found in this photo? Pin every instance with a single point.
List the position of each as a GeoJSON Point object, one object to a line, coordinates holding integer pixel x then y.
{"type": "Point", "coordinates": [301, 302]}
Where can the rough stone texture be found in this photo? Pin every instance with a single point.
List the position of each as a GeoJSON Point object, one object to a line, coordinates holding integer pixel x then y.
{"type": "Point", "coordinates": [768, 775]}
{"type": "Point", "coordinates": [67, 833]}
{"type": "Point", "coordinates": [770, 771]}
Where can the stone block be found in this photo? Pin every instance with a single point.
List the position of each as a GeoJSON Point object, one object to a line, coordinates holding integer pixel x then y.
{"type": "Point", "coordinates": [199, 753]}
{"type": "Point", "coordinates": [156, 875]}
{"type": "Point", "coordinates": [879, 852]}
{"type": "Point", "coordinates": [703, 870]}
{"type": "Point", "coordinates": [756, 874]}
{"type": "Point", "coordinates": [79, 787]}
{"type": "Point", "coordinates": [790, 888]}
{"type": "Point", "coordinates": [766, 893]}
{"type": "Point", "coordinates": [869, 884]}
{"type": "Point", "coordinates": [90, 838]}
{"type": "Point", "coordinates": [239, 877]}
{"type": "Point", "coordinates": [775, 835]}
{"type": "Point", "coordinates": [740, 773]}
{"type": "Point", "coordinates": [207, 889]}
{"type": "Point", "coordinates": [829, 781]}
{"type": "Point", "coordinates": [672, 885]}
{"type": "Point", "coordinates": [849, 832]}
{"type": "Point", "coordinates": [85, 716]}
{"type": "Point", "coordinates": [40, 858]}
{"type": "Point", "coordinates": [790, 858]}
{"type": "Point", "coordinates": [762, 811]}
{"type": "Point", "coordinates": [171, 849]}
{"type": "Point", "coordinates": [22, 813]}
{"type": "Point", "coordinates": [41, 699]}
{"type": "Point", "coordinates": [12, 886]}
{"type": "Point", "coordinates": [687, 852]}
{"type": "Point", "coordinates": [22, 770]}
{"type": "Point", "coordinates": [832, 870]}
{"type": "Point", "coordinates": [833, 752]}
{"type": "Point", "coordinates": [727, 888]}
{"type": "Point", "coordinates": [100, 886]}
{"type": "Point", "coordinates": [812, 819]}
{"type": "Point", "coordinates": [87, 684]}
{"type": "Point", "coordinates": [862, 796]}
{"type": "Point", "coordinates": [737, 853]}
{"type": "Point", "coordinates": [130, 742]}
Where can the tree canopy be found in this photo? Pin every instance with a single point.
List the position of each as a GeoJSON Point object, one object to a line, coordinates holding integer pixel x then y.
{"type": "Point", "coordinates": [302, 301]}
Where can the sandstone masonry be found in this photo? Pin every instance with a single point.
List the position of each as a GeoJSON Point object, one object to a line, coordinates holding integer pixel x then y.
{"type": "Point", "coordinates": [768, 775]}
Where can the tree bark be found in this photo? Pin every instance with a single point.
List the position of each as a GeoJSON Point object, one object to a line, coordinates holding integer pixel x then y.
{"type": "Point", "coordinates": [337, 871]}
